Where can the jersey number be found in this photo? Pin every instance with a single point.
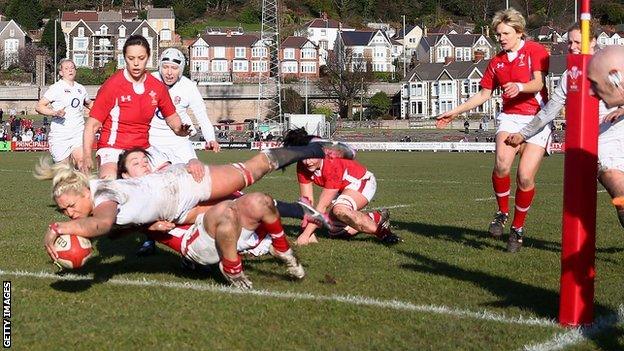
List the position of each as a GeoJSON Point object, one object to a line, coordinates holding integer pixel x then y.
{"type": "Point", "coordinates": [75, 103]}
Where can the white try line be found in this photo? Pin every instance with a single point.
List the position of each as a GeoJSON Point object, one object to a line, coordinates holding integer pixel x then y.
{"type": "Point", "coordinates": [577, 335]}
{"type": "Point", "coordinates": [346, 299]}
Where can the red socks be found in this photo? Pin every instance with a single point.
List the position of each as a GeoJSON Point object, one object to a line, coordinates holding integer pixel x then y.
{"type": "Point", "coordinates": [276, 231]}
{"type": "Point", "coordinates": [523, 203]}
{"type": "Point", "coordinates": [232, 267]}
{"type": "Point", "coordinates": [502, 188]}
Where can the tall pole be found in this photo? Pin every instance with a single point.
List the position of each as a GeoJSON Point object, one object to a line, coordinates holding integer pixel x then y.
{"type": "Point", "coordinates": [361, 98]}
{"type": "Point", "coordinates": [404, 64]}
{"type": "Point", "coordinates": [55, 49]}
{"type": "Point", "coordinates": [506, 4]}
{"type": "Point", "coordinates": [306, 95]}
{"type": "Point", "coordinates": [578, 241]}
{"type": "Point", "coordinates": [575, 11]}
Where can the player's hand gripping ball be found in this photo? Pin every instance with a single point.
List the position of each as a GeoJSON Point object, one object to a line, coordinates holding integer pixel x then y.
{"type": "Point", "coordinates": [73, 251]}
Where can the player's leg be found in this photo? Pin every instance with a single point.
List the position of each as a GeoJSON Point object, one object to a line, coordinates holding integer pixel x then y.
{"type": "Point", "coordinates": [258, 209]}
{"type": "Point", "coordinates": [107, 159]}
{"type": "Point", "coordinates": [613, 181]}
{"type": "Point", "coordinates": [501, 182]}
{"type": "Point", "coordinates": [530, 161]}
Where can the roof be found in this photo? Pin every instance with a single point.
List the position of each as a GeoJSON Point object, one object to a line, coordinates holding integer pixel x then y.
{"type": "Point", "coordinates": [357, 37]}
{"type": "Point", "coordinates": [324, 23]}
{"type": "Point", "coordinates": [294, 42]}
{"type": "Point", "coordinates": [3, 25]}
{"type": "Point", "coordinates": [245, 40]}
{"type": "Point", "coordinates": [458, 40]}
{"type": "Point", "coordinates": [77, 15]}
{"type": "Point", "coordinates": [109, 16]}
{"type": "Point", "coordinates": [457, 69]}
{"type": "Point", "coordinates": [399, 32]}
{"type": "Point", "coordinates": [160, 13]}
{"type": "Point", "coordinates": [113, 27]}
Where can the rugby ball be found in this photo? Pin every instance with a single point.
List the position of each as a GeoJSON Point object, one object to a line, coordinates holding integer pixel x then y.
{"type": "Point", "coordinates": [73, 251]}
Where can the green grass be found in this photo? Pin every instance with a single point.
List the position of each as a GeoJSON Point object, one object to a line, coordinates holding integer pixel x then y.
{"type": "Point", "coordinates": [446, 260]}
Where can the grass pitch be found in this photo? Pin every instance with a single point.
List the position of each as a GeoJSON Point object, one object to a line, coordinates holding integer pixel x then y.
{"type": "Point", "coordinates": [447, 287]}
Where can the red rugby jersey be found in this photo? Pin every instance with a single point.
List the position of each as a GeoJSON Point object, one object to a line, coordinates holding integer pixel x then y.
{"type": "Point", "coordinates": [125, 114]}
{"type": "Point", "coordinates": [532, 57]}
{"type": "Point", "coordinates": [335, 173]}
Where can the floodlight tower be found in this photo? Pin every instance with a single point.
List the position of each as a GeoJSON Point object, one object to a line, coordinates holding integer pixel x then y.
{"type": "Point", "coordinates": [269, 83]}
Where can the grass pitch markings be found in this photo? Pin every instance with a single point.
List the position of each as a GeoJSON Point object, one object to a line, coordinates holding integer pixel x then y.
{"type": "Point", "coordinates": [347, 299]}
{"type": "Point", "coordinates": [577, 335]}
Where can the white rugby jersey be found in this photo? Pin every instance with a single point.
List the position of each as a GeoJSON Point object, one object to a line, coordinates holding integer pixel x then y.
{"type": "Point", "coordinates": [166, 195]}
{"type": "Point", "coordinates": [184, 95]}
{"type": "Point", "coordinates": [72, 98]}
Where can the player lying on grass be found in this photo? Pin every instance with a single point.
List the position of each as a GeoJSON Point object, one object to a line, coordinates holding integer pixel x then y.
{"type": "Point", "coordinates": [97, 206]}
{"type": "Point", "coordinates": [251, 221]}
{"type": "Point", "coordinates": [347, 188]}
{"type": "Point", "coordinates": [611, 129]}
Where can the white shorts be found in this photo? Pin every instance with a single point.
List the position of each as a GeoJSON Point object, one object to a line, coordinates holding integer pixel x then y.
{"type": "Point", "coordinates": [610, 154]}
{"type": "Point", "coordinates": [511, 123]}
{"type": "Point", "coordinates": [111, 155]}
{"type": "Point", "coordinates": [175, 150]}
{"type": "Point", "coordinates": [199, 247]}
{"type": "Point", "coordinates": [62, 149]}
{"type": "Point", "coordinates": [367, 186]}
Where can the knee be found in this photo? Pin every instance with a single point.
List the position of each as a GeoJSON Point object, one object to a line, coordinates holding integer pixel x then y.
{"type": "Point", "coordinates": [257, 204]}
{"type": "Point", "coordinates": [340, 211]}
{"type": "Point", "coordinates": [525, 182]}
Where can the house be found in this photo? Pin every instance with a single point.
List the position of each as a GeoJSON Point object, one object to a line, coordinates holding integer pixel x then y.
{"type": "Point", "coordinates": [547, 34]}
{"type": "Point", "coordinates": [440, 48]}
{"type": "Point", "coordinates": [434, 88]}
{"type": "Point", "coordinates": [12, 38]}
{"type": "Point", "coordinates": [227, 57]}
{"type": "Point", "coordinates": [93, 44]}
{"type": "Point", "coordinates": [323, 32]}
{"type": "Point", "coordinates": [70, 18]}
{"type": "Point", "coordinates": [163, 21]}
{"type": "Point", "coordinates": [374, 48]}
{"type": "Point", "coordinates": [299, 58]}
{"type": "Point", "coordinates": [410, 38]}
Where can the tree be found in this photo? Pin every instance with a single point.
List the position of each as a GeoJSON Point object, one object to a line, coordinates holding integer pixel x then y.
{"type": "Point", "coordinates": [27, 13]}
{"type": "Point", "coordinates": [345, 78]}
{"type": "Point", "coordinates": [47, 40]}
{"type": "Point", "coordinates": [379, 104]}
{"type": "Point", "coordinates": [292, 102]}
{"type": "Point", "coordinates": [27, 57]}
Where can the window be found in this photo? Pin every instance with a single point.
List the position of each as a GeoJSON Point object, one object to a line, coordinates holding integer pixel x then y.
{"type": "Point", "coordinates": [81, 32]}
{"type": "Point", "coordinates": [443, 53]}
{"type": "Point", "coordinates": [165, 34]}
{"type": "Point", "coordinates": [120, 43]}
{"type": "Point", "coordinates": [467, 55]}
{"type": "Point", "coordinates": [12, 33]}
{"type": "Point", "coordinates": [200, 51]}
{"type": "Point", "coordinates": [380, 52]}
{"type": "Point", "coordinates": [446, 88]}
{"type": "Point", "coordinates": [120, 61]}
{"type": "Point", "coordinates": [289, 67]}
{"type": "Point", "coordinates": [289, 54]}
{"type": "Point", "coordinates": [240, 52]}
{"type": "Point", "coordinates": [219, 52]}
{"type": "Point", "coordinates": [81, 60]}
{"type": "Point", "coordinates": [323, 32]}
{"type": "Point", "coordinates": [258, 66]}
{"type": "Point", "coordinates": [474, 87]}
{"type": "Point", "coordinates": [459, 54]}
{"type": "Point", "coordinates": [240, 66]}
{"type": "Point", "coordinates": [308, 67]}
{"type": "Point", "coordinates": [445, 105]}
{"type": "Point", "coordinates": [122, 31]}
{"type": "Point", "coordinates": [200, 66]}
{"type": "Point", "coordinates": [323, 44]}
{"type": "Point", "coordinates": [418, 108]}
{"type": "Point", "coordinates": [465, 87]}
{"type": "Point", "coordinates": [258, 52]}
{"type": "Point", "coordinates": [165, 24]}
{"type": "Point", "coordinates": [144, 31]}
{"type": "Point", "coordinates": [81, 44]}
{"type": "Point", "coordinates": [434, 89]}
{"type": "Point", "coordinates": [219, 66]}
{"type": "Point", "coordinates": [308, 54]}
{"type": "Point", "coordinates": [104, 30]}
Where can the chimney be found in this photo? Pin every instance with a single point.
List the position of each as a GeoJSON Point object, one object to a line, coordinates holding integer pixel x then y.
{"type": "Point", "coordinates": [487, 31]}
{"type": "Point", "coordinates": [425, 31]}
{"type": "Point", "coordinates": [324, 15]}
{"type": "Point", "coordinates": [448, 60]}
{"type": "Point", "coordinates": [478, 56]}
{"type": "Point", "coordinates": [228, 33]}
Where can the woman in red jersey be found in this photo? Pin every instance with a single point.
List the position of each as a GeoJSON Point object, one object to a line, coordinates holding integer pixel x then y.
{"type": "Point", "coordinates": [519, 70]}
{"type": "Point", "coordinates": [124, 108]}
{"type": "Point", "coordinates": [347, 188]}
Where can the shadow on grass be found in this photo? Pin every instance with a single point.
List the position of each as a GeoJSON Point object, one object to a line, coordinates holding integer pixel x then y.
{"type": "Point", "coordinates": [480, 239]}
{"type": "Point", "coordinates": [513, 294]}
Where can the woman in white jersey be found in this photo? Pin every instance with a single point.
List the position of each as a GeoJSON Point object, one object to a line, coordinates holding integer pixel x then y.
{"type": "Point", "coordinates": [64, 101]}
{"type": "Point", "coordinates": [97, 206]}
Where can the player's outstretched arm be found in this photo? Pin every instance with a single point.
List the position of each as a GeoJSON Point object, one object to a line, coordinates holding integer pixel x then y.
{"type": "Point", "coordinates": [476, 100]}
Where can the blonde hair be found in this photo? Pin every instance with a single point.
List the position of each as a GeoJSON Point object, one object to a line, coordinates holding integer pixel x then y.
{"type": "Point", "coordinates": [510, 17]}
{"type": "Point", "coordinates": [65, 178]}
